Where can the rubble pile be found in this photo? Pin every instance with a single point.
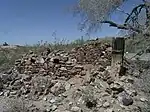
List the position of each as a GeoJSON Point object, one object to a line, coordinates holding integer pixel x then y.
{"type": "Point", "coordinates": [76, 81]}
{"type": "Point", "coordinates": [55, 64]}
{"type": "Point", "coordinates": [95, 53]}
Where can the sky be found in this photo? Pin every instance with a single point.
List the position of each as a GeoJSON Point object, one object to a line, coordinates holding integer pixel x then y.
{"type": "Point", "coordinates": [29, 21]}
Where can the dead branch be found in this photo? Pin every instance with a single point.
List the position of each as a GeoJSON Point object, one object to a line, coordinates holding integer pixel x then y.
{"type": "Point", "coordinates": [126, 27]}
{"type": "Point", "coordinates": [122, 26]}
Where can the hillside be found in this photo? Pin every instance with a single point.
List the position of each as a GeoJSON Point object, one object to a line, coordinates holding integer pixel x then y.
{"type": "Point", "coordinates": [74, 79]}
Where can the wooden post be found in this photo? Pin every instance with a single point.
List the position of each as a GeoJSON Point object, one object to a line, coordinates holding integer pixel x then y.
{"type": "Point", "coordinates": [118, 45]}
{"type": "Point", "coordinates": [117, 57]}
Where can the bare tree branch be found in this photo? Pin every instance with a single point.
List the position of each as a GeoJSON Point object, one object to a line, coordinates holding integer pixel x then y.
{"type": "Point", "coordinates": [126, 27]}
{"type": "Point", "coordinates": [134, 11]}
{"type": "Point", "coordinates": [94, 10]}
{"type": "Point", "coordinates": [97, 12]}
{"type": "Point", "coordinates": [120, 26]}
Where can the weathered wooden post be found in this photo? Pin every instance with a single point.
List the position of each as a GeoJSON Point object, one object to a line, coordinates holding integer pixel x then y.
{"type": "Point", "coordinates": [118, 45]}
{"type": "Point", "coordinates": [117, 69]}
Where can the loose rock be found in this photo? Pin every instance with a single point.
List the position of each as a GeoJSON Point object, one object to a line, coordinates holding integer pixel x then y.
{"type": "Point", "coordinates": [75, 109]}
{"type": "Point", "coordinates": [125, 99]}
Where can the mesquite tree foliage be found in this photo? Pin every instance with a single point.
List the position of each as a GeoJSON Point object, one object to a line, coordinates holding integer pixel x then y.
{"type": "Point", "coordinates": [96, 12]}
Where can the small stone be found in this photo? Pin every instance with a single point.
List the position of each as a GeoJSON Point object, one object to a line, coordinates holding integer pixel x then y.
{"type": "Point", "coordinates": [110, 80]}
{"type": "Point", "coordinates": [7, 93]}
{"type": "Point", "coordinates": [143, 99]}
{"type": "Point", "coordinates": [110, 110]}
{"type": "Point", "coordinates": [45, 98]}
{"type": "Point", "coordinates": [123, 78]}
{"type": "Point", "coordinates": [103, 84]}
{"type": "Point", "coordinates": [69, 62]}
{"type": "Point", "coordinates": [1, 93]}
{"type": "Point", "coordinates": [31, 105]}
{"type": "Point", "coordinates": [48, 110]}
{"type": "Point", "coordinates": [106, 104]}
{"type": "Point", "coordinates": [55, 60]}
{"type": "Point", "coordinates": [17, 83]}
{"type": "Point", "coordinates": [130, 80]}
{"type": "Point", "coordinates": [60, 95]}
{"type": "Point", "coordinates": [28, 62]}
{"type": "Point", "coordinates": [67, 86]}
{"type": "Point", "coordinates": [75, 109]}
{"type": "Point", "coordinates": [42, 70]}
{"type": "Point", "coordinates": [117, 86]}
{"type": "Point", "coordinates": [31, 52]}
{"type": "Point", "coordinates": [99, 104]}
{"type": "Point", "coordinates": [125, 99]}
{"type": "Point", "coordinates": [65, 58]}
{"type": "Point", "coordinates": [79, 67]}
{"type": "Point", "coordinates": [132, 92]}
{"type": "Point", "coordinates": [26, 96]}
{"type": "Point", "coordinates": [52, 100]}
{"type": "Point", "coordinates": [105, 94]}
{"type": "Point", "coordinates": [57, 88]}
{"type": "Point", "coordinates": [83, 73]}
{"type": "Point", "coordinates": [101, 68]}
{"type": "Point", "coordinates": [70, 103]}
{"type": "Point", "coordinates": [54, 107]}
{"type": "Point", "coordinates": [136, 73]}
{"type": "Point", "coordinates": [13, 93]}
{"type": "Point", "coordinates": [74, 60]}
{"type": "Point", "coordinates": [63, 69]}
{"type": "Point", "coordinates": [69, 67]}
{"type": "Point", "coordinates": [45, 66]}
{"type": "Point", "coordinates": [33, 59]}
{"type": "Point", "coordinates": [41, 60]}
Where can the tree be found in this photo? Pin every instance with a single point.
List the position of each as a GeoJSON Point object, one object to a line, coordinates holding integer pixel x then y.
{"type": "Point", "coordinates": [96, 12]}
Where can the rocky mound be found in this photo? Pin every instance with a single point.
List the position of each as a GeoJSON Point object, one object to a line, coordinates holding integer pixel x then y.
{"type": "Point", "coordinates": [76, 81]}
{"type": "Point", "coordinates": [96, 53]}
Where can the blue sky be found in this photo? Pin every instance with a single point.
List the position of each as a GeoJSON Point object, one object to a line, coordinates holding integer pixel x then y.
{"type": "Point", "coordinates": [28, 21]}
